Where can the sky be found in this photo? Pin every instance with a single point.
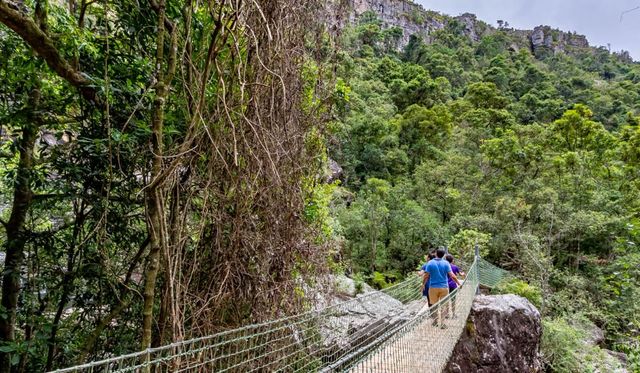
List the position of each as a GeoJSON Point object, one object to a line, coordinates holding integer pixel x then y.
{"type": "Point", "coordinates": [599, 20]}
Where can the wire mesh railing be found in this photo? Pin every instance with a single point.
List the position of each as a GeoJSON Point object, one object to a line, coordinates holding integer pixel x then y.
{"type": "Point", "coordinates": [491, 275]}
{"type": "Point", "coordinates": [381, 331]}
{"type": "Point", "coordinates": [425, 343]}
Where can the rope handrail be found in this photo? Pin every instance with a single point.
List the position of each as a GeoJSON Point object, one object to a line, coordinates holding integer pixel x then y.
{"type": "Point", "coordinates": [383, 329]}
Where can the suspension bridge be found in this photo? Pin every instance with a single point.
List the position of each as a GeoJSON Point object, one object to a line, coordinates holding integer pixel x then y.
{"type": "Point", "coordinates": [410, 337]}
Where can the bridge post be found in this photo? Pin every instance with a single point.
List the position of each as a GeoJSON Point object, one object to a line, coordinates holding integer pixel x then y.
{"type": "Point", "coordinates": [477, 268]}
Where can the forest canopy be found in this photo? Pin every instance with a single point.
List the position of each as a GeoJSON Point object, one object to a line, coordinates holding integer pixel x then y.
{"type": "Point", "coordinates": [533, 157]}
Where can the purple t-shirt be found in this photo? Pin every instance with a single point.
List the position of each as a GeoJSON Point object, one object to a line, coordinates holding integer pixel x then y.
{"type": "Point", "coordinates": [456, 271]}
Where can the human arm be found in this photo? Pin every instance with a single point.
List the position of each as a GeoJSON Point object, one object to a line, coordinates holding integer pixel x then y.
{"type": "Point", "coordinates": [454, 278]}
{"type": "Point", "coordinates": [425, 278]}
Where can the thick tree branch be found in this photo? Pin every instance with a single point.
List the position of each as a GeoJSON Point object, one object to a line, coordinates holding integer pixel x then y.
{"type": "Point", "coordinates": [168, 25]}
{"type": "Point", "coordinates": [40, 42]}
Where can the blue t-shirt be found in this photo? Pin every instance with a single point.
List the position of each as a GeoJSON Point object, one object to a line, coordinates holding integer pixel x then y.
{"type": "Point", "coordinates": [438, 269]}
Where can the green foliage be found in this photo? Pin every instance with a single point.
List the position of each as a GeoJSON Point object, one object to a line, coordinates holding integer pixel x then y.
{"type": "Point", "coordinates": [381, 281]}
{"type": "Point", "coordinates": [565, 347]}
{"type": "Point", "coordinates": [521, 288]}
{"type": "Point", "coordinates": [359, 282]}
{"type": "Point", "coordinates": [485, 96]}
{"type": "Point", "coordinates": [534, 157]}
{"type": "Point", "coordinates": [317, 209]}
{"type": "Point", "coordinates": [416, 17]}
{"type": "Point", "coordinates": [462, 244]}
{"type": "Point", "coordinates": [560, 346]}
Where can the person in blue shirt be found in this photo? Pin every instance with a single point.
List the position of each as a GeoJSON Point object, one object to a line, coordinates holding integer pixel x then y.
{"type": "Point", "coordinates": [423, 270]}
{"type": "Point", "coordinates": [436, 276]}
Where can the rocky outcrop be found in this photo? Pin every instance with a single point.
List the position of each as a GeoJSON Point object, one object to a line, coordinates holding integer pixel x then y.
{"type": "Point", "coordinates": [409, 17]}
{"type": "Point", "coordinates": [413, 19]}
{"type": "Point", "coordinates": [595, 335]}
{"type": "Point", "coordinates": [471, 29]}
{"type": "Point", "coordinates": [502, 335]}
{"type": "Point", "coordinates": [545, 40]}
{"type": "Point", "coordinates": [349, 329]}
{"type": "Point", "coordinates": [353, 316]}
{"type": "Point", "coordinates": [608, 361]}
{"type": "Point", "coordinates": [334, 171]}
{"type": "Point", "coordinates": [623, 56]}
{"type": "Point", "coordinates": [616, 361]}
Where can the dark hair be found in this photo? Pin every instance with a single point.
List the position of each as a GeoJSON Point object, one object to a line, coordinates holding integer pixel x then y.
{"type": "Point", "coordinates": [449, 258]}
{"type": "Point", "coordinates": [432, 255]}
{"type": "Point", "coordinates": [440, 252]}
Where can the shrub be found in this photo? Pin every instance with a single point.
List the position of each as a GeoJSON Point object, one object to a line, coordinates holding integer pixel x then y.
{"type": "Point", "coordinates": [521, 288]}
{"type": "Point", "coordinates": [379, 281]}
{"type": "Point", "coordinates": [560, 345]}
{"type": "Point", "coordinates": [565, 348]}
{"type": "Point", "coordinates": [358, 280]}
{"type": "Point", "coordinates": [382, 280]}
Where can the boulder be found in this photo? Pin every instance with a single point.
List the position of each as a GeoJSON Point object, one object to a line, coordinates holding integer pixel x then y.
{"type": "Point", "coordinates": [595, 335]}
{"type": "Point", "coordinates": [503, 334]}
{"type": "Point", "coordinates": [355, 327]}
{"type": "Point", "coordinates": [607, 360]}
{"type": "Point", "coordinates": [616, 361]}
{"type": "Point", "coordinates": [350, 322]}
{"type": "Point", "coordinates": [347, 286]}
{"type": "Point", "coordinates": [334, 171]}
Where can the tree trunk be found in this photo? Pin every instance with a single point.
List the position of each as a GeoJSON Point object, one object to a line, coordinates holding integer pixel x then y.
{"type": "Point", "coordinates": [124, 300]}
{"type": "Point", "coordinates": [67, 287]}
{"type": "Point", "coordinates": [156, 224]}
{"type": "Point", "coordinates": [16, 235]}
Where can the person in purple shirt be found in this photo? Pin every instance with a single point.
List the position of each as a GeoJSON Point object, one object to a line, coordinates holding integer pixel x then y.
{"type": "Point", "coordinates": [456, 271]}
{"type": "Point", "coordinates": [452, 284]}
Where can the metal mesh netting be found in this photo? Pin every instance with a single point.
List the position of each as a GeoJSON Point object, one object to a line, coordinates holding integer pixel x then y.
{"type": "Point", "coordinates": [383, 331]}
{"type": "Point", "coordinates": [490, 275]}
{"type": "Point", "coordinates": [425, 343]}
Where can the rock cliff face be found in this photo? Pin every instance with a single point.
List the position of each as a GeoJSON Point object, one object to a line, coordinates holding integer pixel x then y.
{"type": "Point", "coordinates": [472, 27]}
{"type": "Point", "coordinates": [413, 19]}
{"type": "Point", "coordinates": [502, 335]}
{"type": "Point", "coordinates": [544, 39]}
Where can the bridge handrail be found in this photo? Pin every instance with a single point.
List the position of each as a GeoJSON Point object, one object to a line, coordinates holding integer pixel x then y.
{"type": "Point", "coordinates": [302, 342]}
